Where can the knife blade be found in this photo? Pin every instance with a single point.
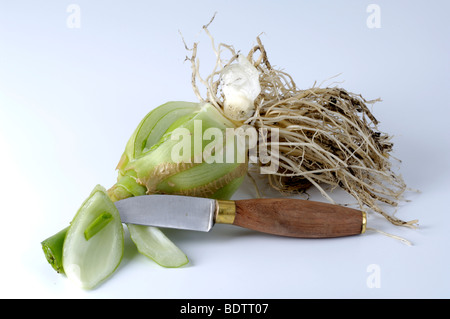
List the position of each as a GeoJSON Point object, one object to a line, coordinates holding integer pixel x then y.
{"type": "Point", "coordinates": [277, 216]}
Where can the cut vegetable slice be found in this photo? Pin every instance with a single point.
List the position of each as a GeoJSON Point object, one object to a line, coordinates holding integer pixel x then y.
{"type": "Point", "coordinates": [93, 247]}
{"type": "Point", "coordinates": [53, 247]}
{"type": "Point", "coordinates": [151, 242]}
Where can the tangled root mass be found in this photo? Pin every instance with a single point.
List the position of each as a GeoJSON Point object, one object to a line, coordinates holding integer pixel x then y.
{"type": "Point", "coordinates": [327, 136]}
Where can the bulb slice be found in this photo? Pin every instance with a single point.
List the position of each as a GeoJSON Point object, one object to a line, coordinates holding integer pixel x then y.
{"type": "Point", "coordinates": [94, 243]}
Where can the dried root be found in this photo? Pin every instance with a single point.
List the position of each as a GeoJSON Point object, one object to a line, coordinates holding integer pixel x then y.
{"type": "Point", "coordinates": [327, 136]}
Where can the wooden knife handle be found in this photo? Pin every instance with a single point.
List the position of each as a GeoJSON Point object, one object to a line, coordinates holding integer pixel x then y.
{"type": "Point", "coordinates": [295, 217]}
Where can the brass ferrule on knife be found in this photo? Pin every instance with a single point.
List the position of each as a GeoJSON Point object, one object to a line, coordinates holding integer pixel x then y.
{"type": "Point", "coordinates": [364, 222]}
{"type": "Point", "coordinates": [225, 211]}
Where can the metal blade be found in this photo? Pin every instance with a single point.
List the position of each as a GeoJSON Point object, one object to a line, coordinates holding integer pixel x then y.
{"type": "Point", "coordinates": [171, 211]}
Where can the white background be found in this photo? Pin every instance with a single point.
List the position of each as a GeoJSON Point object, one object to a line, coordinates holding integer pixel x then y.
{"type": "Point", "coordinates": [71, 97]}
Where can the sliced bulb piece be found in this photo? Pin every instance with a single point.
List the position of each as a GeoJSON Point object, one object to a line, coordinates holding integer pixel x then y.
{"type": "Point", "coordinates": [93, 247]}
{"type": "Point", "coordinates": [151, 242]}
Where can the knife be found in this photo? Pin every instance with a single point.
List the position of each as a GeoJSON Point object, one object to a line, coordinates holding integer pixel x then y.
{"type": "Point", "coordinates": [277, 216]}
